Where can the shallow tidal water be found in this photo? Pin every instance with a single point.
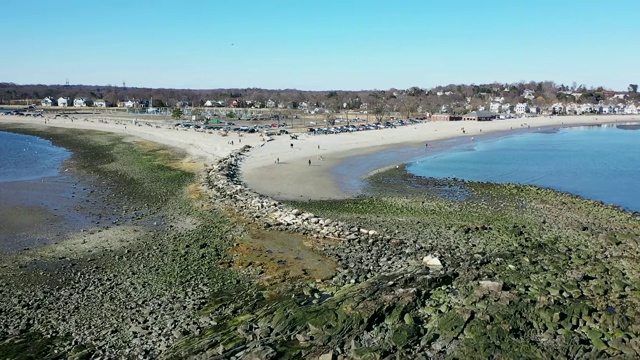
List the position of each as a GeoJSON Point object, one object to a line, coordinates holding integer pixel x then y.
{"type": "Point", "coordinates": [595, 162]}
{"type": "Point", "coordinates": [39, 202]}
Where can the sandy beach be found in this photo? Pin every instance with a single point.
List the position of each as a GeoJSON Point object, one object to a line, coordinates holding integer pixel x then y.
{"type": "Point", "coordinates": [298, 169]}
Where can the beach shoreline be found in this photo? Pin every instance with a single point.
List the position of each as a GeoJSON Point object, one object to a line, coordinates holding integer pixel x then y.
{"type": "Point", "coordinates": [309, 167]}
{"type": "Point", "coordinates": [336, 161]}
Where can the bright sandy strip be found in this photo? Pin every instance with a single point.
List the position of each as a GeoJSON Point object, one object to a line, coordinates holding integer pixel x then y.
{"type": "Point", "coordinates": [293, 177]}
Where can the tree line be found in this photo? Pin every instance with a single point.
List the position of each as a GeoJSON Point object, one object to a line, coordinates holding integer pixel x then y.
{"type": "Point", "coordinates": [457, 98]}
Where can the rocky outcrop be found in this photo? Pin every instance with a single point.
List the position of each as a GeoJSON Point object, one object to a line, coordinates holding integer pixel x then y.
{"type": "Point", "coordinates": [362, 253]}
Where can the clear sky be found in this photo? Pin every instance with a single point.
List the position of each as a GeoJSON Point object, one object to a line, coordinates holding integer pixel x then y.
{"type": "Point", "coordinates": [319, 45]}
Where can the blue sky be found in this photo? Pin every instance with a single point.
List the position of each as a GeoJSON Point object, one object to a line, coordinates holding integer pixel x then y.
{"type": "Point", "coordinates": [320, 45]}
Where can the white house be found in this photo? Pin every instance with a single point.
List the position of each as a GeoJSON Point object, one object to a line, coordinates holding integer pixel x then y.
{"type": "Point", "coordinates": [211, 103]}
{"type": "Point", "coordinates": [631, 110]}
{"type": "Point", "coordinates": [128, 103]}
{"type": "Point", "coordinates": [63, 102]}
{"type": "Point", "coordinates": [48, 101]}
{"type": "Point", "coordinates": [495, 107]}
{"type": "Point", "coordinates": [270, 104]}
{"type": "Point", "coordinates": [605, 109]}
{"type": "Point", "coordinates": [534, 110]}
{"type": "Point", "coordinates": [79, 102]}
{"type": "Point", "coordinates": [528, 94]}
{"type": "Point", "coordinates": [522, 108]}
{"type": "Point", "coordinates": [557, 108]}
{"type": "Point", "coordinates": [100, 103]}
{"type": "Point", "coordinates": [587, 108]}
{"type": "Point", "coordinates": [572, 109]}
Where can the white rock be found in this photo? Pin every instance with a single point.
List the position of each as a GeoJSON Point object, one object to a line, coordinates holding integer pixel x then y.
{"type": "Point", "coordinates": [432, 262]}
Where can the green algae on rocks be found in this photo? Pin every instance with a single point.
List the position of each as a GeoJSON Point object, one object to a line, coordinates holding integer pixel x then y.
{"type": "Point", "coordinates": [135, 282]}
{"type": "Point", "coordinates": [537, 273]}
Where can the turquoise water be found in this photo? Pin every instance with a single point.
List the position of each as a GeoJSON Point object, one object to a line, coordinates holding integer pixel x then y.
{"type": "Point", "coordinates": [599, 163]}
{"type": "Point", "coordinates": [24, 157]}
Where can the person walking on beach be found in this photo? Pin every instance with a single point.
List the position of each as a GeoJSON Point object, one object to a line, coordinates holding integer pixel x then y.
{"type": "Point", "coordinates": [309, 162]}
{"type": "Point", "coordinates": [292, 145]}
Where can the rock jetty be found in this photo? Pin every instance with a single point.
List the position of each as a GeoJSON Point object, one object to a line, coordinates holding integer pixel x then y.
{"type": "Point", "coordinates": [363, 253]}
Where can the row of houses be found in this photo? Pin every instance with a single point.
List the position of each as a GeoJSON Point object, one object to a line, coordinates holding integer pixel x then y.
{"type": "Point", "coordinates": [564, 109]}
{"type": "Point", "coordinates": [579, 109]}
{"type": "Point", "coordinates": [77, 102]}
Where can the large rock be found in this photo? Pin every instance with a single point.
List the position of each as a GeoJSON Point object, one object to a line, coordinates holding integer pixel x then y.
{"type": "Point", "coordinates": [432, 262]}
{"type": "Point", "coordinates": [491, 286]}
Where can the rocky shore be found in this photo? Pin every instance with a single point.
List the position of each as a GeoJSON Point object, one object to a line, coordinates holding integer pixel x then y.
{"type": "Point", "coordinates": [505, 270]}
{"type": "Point", "coordinates": [426, 269]}
{"type": "Point", "coordinates": [363, 253]}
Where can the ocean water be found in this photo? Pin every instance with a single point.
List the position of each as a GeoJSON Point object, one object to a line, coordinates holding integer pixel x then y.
{"type": "Point", "coordinates": [25, 157]}
{"type": "Point", "coordinates": [595, 162]}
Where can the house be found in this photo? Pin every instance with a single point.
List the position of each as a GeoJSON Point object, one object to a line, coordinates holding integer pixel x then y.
{"type": "Point", "coordinates": [211, 103]}
{"type": "Point", "coordinates": [479, 116]}
{"type": "Point", "coordinates": [632, 110]}
{"type": "Point", "coordinates": [507, 108]}
{"type": "Point", "coordinates": [557, 109]}
{"type": "Point", "coordinates": [522, 108]}
{"type": "Point", "coordinates": [182, 104]}
{"type": "Point", "coordinates": [528, 94]}
{"type": "Point", "coordinates": [79, 102]}
{"type": "Point", "coordinates": [587, 109]}
{"type": "Point", "coordinates": [101, 103]}
{"type": "Point", "coordinates": [270, 104]}
{"type": "Point", "coordinates": [63, 102]}
{"type": "Point", "coordinates": [572, 109]}
{"type": "Point", "coordinates": [495, 107]}
{"type": "Point", "coordinates": [605, 109]}
{"type": "Point", "coordinates": [445, 117]}
{"type": "Point", "coordinates": [534, 110]}
{"type": "Point", "coordinates": [128, 103]}
{"type": "Point", "coordinates": [48, 101]}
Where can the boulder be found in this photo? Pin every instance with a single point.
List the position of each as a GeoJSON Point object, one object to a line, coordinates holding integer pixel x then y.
{"type": "Point", "coordinates": [432, 262]}
{"type": "Point", "coordinates": [492, 286]}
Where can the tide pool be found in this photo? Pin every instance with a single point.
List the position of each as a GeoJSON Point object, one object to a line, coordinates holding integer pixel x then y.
{"type": "Point", "coordinates": [596, 162]}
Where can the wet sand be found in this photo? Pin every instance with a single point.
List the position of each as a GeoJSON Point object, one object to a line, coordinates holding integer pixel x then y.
{"type": "Point", "coordinates": [38, 212]}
